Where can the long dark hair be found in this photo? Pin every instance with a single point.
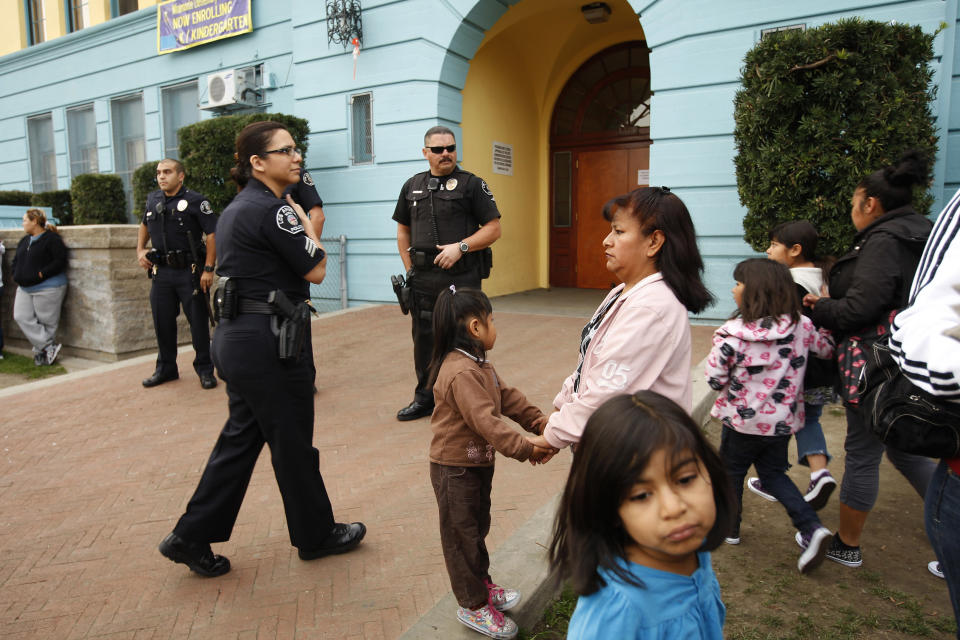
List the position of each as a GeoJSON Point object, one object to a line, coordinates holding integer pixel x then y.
{"type": "Point", "coordinates": [679, 261]}
{"type": "Point", "coordinates": [251, 141]}
{"type": "Point", "coordinates": [768, 290]}
{"type": "Point", "coordinates": [451, 313]}
{"type": "Point", "coordinates": [893, 185]}
{"type": "Point", "coordinates": [617, 444]}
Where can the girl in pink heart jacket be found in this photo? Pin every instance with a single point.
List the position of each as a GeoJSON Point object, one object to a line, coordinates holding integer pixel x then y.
{"type": "Point", "coordinates": [757, 364]}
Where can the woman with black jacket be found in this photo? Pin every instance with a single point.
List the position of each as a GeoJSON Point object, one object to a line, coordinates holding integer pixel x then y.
{"type": "Point", "coordinates": [39, 268]}
{"type": "Point", "coordinates": [866, 284]}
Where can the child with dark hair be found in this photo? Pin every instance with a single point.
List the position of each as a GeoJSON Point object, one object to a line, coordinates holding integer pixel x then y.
{"type": "Point", "coordinates": [757, 363]}
{"type": "Point", "coordinates": [470, 400]}
{"type": "Point", "coordinates": [794, 244]}
{"type": "Point", "coordinates": [646, 500]}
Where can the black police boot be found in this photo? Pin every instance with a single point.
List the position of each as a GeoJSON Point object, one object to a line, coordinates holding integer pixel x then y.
{"type": "Point", "coordinates": [159, 377]}
{"type": "Point", "coordinates": [343, 538]}
{"type": "Point", "coordinates": [207, 381]}
{"type": "Point", "coordinates": [414, 410]}
{"type": "Point", "coordinates": [196, 555]}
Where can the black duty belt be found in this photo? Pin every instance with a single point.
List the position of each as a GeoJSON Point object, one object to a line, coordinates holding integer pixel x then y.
{"type": "Point", "coordinates": [248, 305]}
{"type": "Point", "coordinates": [423, 261]}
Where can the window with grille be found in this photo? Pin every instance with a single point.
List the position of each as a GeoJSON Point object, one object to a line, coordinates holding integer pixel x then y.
{"type": "Point", "coordinates": [43, 154]}
{"type": "Point", "coordinates": [180, 108]}
{"type": "Point", "coordinates": [82, 140]}
{"type": "Point", "coordinates": [79, 16]}
{"type": "Point", "coordinates": [126, 6]}
{"type": "Point", "coordinates": [36, 22]}
{"type": "Point", "coordinates": [361, 128]}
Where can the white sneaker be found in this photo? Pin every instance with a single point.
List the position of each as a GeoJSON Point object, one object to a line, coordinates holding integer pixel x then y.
{"type": "Point", "coordinates": [501, 598]}
{"type": "Point", "coordinates": [754, 485]}
{"type": "Point", "coordinates": [814, 548]}
{"type": "Point", "coordinates": [488, 621]}
{"type": "Point", "coordinates": [52, 352]}
{"type": "Point", "coordinates": [934, 568]}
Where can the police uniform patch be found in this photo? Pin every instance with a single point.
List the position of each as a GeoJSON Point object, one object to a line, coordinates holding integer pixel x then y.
{"type": "Point", "coordinates": [451, 184]}
{"type": "Point", "coordinates": [288, 221]}
{"type": "Point", "coordinates": [486, 189]}
{"type": "Point", "coordinates": [147, 214]}
{"type": "Point", "coordinates": [307, 180]}
{"type": "Point", "coordinates": [205, 207]}
{"type": "Point", "coordinates": [310, 246]}
{"type": "Point", "coordinates": [182, 205]}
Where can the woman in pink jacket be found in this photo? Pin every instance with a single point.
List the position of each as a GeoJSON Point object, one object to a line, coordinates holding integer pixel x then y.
{"type": "Point", "coordinates": [639, 337]}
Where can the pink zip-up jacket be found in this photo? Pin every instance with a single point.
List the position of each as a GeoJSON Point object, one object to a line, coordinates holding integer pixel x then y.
{"type": "Point", "coordinates": [758, 369]}
{"type": "Point", "coordinates": [642, 343]}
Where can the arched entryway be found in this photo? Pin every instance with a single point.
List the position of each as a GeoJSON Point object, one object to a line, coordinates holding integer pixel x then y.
{"type": "Point", "coordinates": [599, 148]}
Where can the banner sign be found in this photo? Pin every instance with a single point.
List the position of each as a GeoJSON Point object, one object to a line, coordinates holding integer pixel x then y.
{"type": "Point", "coordinates": [182, 24]}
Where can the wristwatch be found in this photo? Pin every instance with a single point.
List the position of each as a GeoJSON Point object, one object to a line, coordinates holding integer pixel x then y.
{"type": "Point", "coordinates": [207, 268]}
{"type": "Point", "coordinates": [464, 247]}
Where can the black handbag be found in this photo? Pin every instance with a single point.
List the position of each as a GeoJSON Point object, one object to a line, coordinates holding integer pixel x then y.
{"type": "Point", "coordinates": [901, 414]}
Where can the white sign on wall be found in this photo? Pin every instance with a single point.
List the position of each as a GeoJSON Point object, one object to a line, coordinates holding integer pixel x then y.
{"type": "Point", "coordinates": [503, 158]}
{"type": "Point", "coordinates": [643, 177]}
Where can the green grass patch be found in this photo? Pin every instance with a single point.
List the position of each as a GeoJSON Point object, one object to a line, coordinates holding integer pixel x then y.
{"type": "Point", "coordinates": [553, 624]}
{"type": "Point", "coordinates": [17, 365]}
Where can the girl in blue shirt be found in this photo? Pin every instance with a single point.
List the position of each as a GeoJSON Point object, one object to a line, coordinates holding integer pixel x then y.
{"type": "Point", "coordinates": [646, 500]}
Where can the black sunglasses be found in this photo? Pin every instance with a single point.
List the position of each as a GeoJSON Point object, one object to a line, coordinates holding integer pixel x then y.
{"type": "Point", "coordinates": [450, 148]}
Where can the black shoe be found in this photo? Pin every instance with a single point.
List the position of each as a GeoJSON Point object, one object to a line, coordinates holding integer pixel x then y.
{"type": "Point", "coordinates": [159, 377]}
{"type": "Point", "coordinates": [414, 410]}
{"type": "Point", "coordinates": [343, 538]}
{"type": "Point", "coordinates": [207, 381]}
{"type": "Point", "coordinates": [198, 556]}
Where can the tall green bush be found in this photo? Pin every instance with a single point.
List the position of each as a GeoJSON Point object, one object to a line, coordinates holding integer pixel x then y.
{"type": "Point", "coordinates": [59, 203]}
{"type": "Point", "coordinates": [821, 109]}
{"type": "Point", "coordinates": [207, 147]}
{"type": "Point", "coordinates": [98, 198]}
{"type": "Point", "coordinates": [16, 198]}
{"type": "Point", "coordinates": [144, 181]}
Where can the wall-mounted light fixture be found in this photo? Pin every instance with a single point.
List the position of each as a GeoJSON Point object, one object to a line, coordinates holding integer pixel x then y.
{"type": "Point", "coordinates": [343, 22]}
{"type": "Point", "coordinates": [596, 12]}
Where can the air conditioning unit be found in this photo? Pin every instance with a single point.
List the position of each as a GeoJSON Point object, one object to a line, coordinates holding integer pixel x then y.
{"type": "Point", "coordinates": [232, 87]}
{"type": "Point", "coordinates": [221, 88]}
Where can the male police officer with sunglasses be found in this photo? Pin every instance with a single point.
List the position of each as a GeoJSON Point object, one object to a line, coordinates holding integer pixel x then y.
{"type": "Point", "coordinates": [446, 220]}
{"type": "Point", "coordinates": [175, 218]}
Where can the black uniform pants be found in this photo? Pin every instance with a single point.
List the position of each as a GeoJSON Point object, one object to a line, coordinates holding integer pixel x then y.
{"type": "Point", "coordinates": [269, 403]}
{"type": "Point", "coordinates": [172, 289]}
{"type": "Point", "coordinates": [426, 286]}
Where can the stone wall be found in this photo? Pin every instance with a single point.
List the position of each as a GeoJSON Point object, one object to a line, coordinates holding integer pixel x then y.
{"type": "Point", "coordinates": [106, 312]}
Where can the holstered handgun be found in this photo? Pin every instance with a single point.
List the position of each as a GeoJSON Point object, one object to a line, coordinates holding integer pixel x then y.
{"type": "Point", "coordinates": [293, 325]}
{"type": "Point", "coordinates": [401, 288]}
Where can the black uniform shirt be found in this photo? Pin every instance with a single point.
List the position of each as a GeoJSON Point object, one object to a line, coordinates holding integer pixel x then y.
{"type": "Point", "coordinates": [304, 192]}
{"type": "Point", "coordinates": [262, 244]}
{"type": "Point", "coordinates": [463, 202]}
{"type": "Point", "coordinates": [185, 211]}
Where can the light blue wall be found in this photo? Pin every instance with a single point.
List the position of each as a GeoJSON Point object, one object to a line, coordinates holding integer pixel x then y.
{"type": "Point", "coordinates": [698, 48]}
{"type": "Point", "coordinates": [415, 74]}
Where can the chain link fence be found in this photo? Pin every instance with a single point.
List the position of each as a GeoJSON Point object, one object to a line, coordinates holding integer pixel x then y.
{"type": "Point", "coordinates": [331, 294]}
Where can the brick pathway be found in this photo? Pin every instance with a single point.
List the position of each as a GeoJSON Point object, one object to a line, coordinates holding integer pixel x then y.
{"type": "Point", "coordinates": [94, 472]}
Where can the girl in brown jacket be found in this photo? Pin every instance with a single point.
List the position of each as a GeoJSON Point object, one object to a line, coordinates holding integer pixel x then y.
{"type": "Point", "coordinates": [470, 401]}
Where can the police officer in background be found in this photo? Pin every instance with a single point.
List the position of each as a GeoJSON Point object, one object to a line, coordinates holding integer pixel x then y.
{"type": "Point", "coordinates": [446, 220]}
{"type": "Point", "coordinates": [174, 216]}
{"type": "Point", "coordinates": [267, 254]}
{"type": "Point", "coordinates": [305, 194]}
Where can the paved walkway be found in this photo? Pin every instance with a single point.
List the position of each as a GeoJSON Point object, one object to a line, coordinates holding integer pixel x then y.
{"type": "Point", "coordinates": [95, 470]}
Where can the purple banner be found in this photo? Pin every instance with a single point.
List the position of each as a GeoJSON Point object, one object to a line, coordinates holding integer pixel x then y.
{"type": "Point", "coordinates": [182, 24]}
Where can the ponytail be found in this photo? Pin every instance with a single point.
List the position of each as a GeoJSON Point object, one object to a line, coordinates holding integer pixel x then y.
{"type": "Point", "coordinates": [893, 185]}
{"type": "Point", "coordinates": [453, 310]}
{"type": "Point", "coordinates": [40, 218]}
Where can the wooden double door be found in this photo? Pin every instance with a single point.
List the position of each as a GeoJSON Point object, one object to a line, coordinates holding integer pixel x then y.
{"type": "Point", "coordinates": [583, 181]}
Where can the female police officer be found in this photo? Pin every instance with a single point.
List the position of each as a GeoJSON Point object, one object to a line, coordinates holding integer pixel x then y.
{"type": "Point", "coordinates": [263, 245]}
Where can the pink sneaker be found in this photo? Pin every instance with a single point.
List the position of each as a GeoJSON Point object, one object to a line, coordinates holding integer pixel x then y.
{"type": "Point", "coordinates": [502, 599]}
{"type": "Point", "coordinates": [488, 621]}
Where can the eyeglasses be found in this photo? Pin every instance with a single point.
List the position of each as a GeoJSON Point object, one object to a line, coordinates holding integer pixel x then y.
{"type": "Point", "coordinates": [290, 151]}
{"type": "Point", "coordinates": [450, 148]}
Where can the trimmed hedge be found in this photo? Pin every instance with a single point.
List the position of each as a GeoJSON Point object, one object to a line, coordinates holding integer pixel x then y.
{"type": "Point", "coordinates": [16, 198]}
{"type": "Point", "coordinates": [207, 147]}
{"type": "Point", "coordinates": [98, 198]}
{"type": "Point", "coordinates": [820, 110]}
{"type": "Point", "coordinates": [144, 181]}
{"type": "Point", "coordinates": [58, 201]}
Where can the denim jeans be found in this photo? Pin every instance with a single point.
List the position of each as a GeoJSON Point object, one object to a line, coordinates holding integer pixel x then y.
{"type": "Point", "coordinates": [941, 511]}
{"type": "Point", "coordinates": [768, 454]}
{"type": "Point", "coordinates": [810, 439]}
